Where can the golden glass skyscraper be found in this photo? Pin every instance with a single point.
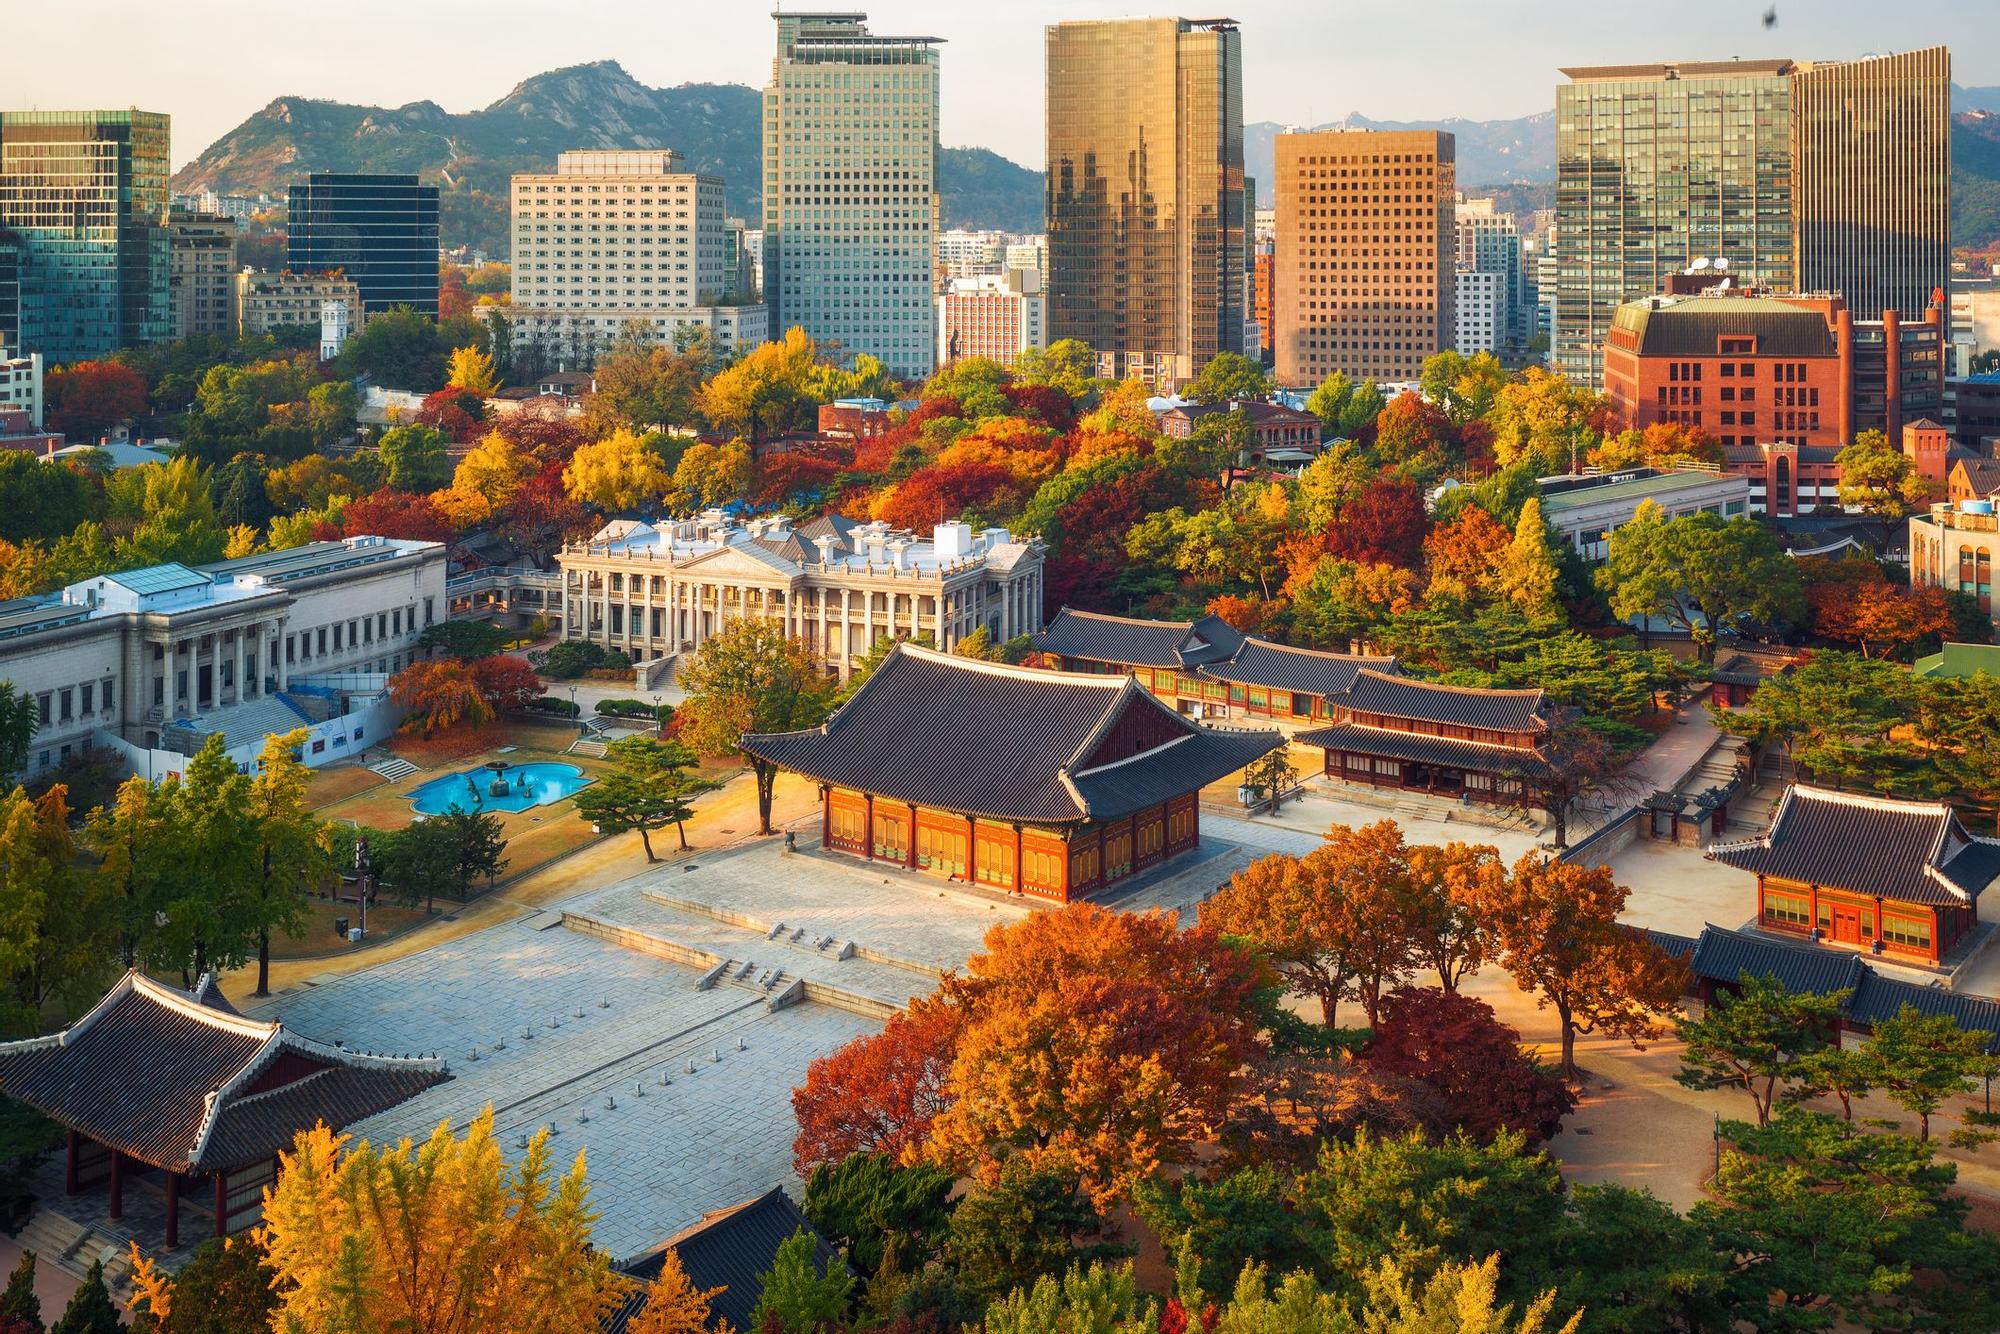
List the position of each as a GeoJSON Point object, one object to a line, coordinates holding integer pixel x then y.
{"type": "Point", "coordinates": [1871, 165]}
{"type": "Point", "coordinates": [1146, 222]}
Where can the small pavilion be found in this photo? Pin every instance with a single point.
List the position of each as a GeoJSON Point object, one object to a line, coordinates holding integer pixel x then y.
{"type": "Point", "coordinates": [1419, 736]}
{"type": "Point", "coordinates": [179, 1090]}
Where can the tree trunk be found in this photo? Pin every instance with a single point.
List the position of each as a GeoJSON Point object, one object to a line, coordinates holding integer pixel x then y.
{"type": "Point", "coordinates": [1559, 818]}
{"type": "Point", "coordinates": [646, 841]}
{"type": "Point", "coordinates": [1329, 1002]}
{"type": "Point", "coordinates": [1567, 1020]}
{"type": "Point", "coordinates": [263, 962]}
{"type": "Point", "coordinates": [767, 779]}
{"type": "Point", "coordinates": [1923, 1127]}
{"type": "Point", "coordinates": [680, 827]}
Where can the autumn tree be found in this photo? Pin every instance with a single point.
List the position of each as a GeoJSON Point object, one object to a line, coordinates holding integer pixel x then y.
{"type": "Point", "coordinates": [1449, 883]}
{"type": "Point", "coordinates": [709, 475]}
{"type": "Point", "coordinates": [1456, 1045]}
{"type": "Point", "coordinates": [1755, 1039]}
{"type": "Point", "coordinates": [438, 695]}
{"type": "Point", "coordinates": [1544, 422]}
{"type": "Point", "coordinates": [769, 389]}
{"type": "Point", "coordinates": [84, 398]}
{"type": "Point", "coordinates": [674, 1305]}
{"type": "Point", "coordinates": [489, 475]}
{"type": "Point", "coordinates": [642, 388]}
{"type": "Point", "coordinates": [1228, 376]}
{"type": "Point", "coordinates": [618, 473]}
{"type": "Point", "coordinates": [1556, 928]}
{"type": "Point", "coordinates": [471, 370]}
{"type": "Point", "coordinates": [880, 1093]}
{"type": "Point", "coordinates": [751, 678]}
{"type": "Point", "coordinates": [1702, 572]}
{"type": "Point", "coordinates": [1104, 1042]}
{"type": "Point", "coordinates": [1343, 407]}
{"type": "Point", "coordinates": [442, 1239]}
{"type": "Point", "coordinates": [1463, 386]}
{"type": "Point", "coordinates": [1572, 763]}
{"type": "Point", "coordinates": [224, 1287]}
{"type": "Point", "coordinates": [651, 785]}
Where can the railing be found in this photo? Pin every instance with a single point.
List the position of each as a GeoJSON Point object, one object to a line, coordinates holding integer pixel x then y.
{"type": "Point", "coordinates": [507, 577]}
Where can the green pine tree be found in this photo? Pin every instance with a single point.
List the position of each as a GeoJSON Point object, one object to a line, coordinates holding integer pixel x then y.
{"type": "Point", "coordinates": [801, 1299]}
{"type": "Point", "coordinates": [91, 1311]}
{"type": "Point", "coordinates": [19, 1301]}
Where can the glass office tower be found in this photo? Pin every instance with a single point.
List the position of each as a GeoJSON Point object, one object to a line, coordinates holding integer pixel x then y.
{"type": "Point", "coordinates": [850, 189]}
{"type": "Point", "coordinates": [381, 231]}
{"type": "Point", "coordinates": [1871, 158]}
{"type": "Point", "coordinates": [85, 194]}
{"type": "Point", "coordinates": [1657, 166]}
{"type": "Point", "coordinates": [1148, 259]}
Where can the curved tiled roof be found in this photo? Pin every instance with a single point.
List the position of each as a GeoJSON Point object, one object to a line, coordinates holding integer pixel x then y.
{"type": "Point", "coordinates": [1913, 851]}
{"type": "Point", "coordinates": [1464, 706]}
{"type": "Point", "coordinates": [1279, 666]}
{"type": "Point", "coordinates": [1416, 746]}
{"type": "Point", "coordinates": [1008, 743]}
{"type": "Point", "coordinates": [731, 1249]}
{"type": "Point", "coordinates": [1140, 643]}
{"type": "Point", "coordinates": [173, 1078]}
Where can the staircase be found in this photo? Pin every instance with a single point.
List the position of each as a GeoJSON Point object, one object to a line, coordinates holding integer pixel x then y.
{"type": "Point", "coordinates": [393, 767]}
{"type": "Point", "coordinates": [73, 1247]}
{"type": "Point", "coordinates": [587, 746]}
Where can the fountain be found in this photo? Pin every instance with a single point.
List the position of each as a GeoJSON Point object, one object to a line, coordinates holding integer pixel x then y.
{"type": "Point", "coordinates": [499, 787]}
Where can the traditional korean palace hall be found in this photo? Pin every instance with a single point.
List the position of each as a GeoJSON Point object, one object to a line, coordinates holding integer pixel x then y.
{"type": "Point", "coordinates": [177, 1093]}
{"type": "Point", "coordinates": [1455, 741]}
{"type": "Point", "coordinates": [1206, 668]}
{"type": "Point", "coordinates": [1050, 785]}
{"type": "Point", "coordinates": [1896, 878]}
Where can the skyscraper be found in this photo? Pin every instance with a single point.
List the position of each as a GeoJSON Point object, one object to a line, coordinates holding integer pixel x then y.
{"type": "Point", "coordinates": [850, 188]}
{"type": "Point", "coordinates": [380, 230]}
{"type": "Point", "coordinates": [1146, 222]}
{"type": "Point", "coordinates": [1366, 283]}
{"type": "Point", "coordinates": [1871, 168]}
{"type": "Point", "coordinates": [1657, 166]}
{"type": "Point", "coordinates": [85, 193]}
{"type": "Point", "coordinates": [204, 273]}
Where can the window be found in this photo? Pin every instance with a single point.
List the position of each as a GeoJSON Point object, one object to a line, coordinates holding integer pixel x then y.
{"type": "Point", "coordinates": [1911, 933]}
{"type": "Point", "coordinates": [88, 691]}
{"type": "Point", "coordinates": [42, 703]}
{"type": "Point", "coordinates": [68, 704]}
{"type": "Point", "coordinates": [1786, 909]}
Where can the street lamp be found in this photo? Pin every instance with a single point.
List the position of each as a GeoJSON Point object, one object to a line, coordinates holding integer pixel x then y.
{"type": "Point", "coordinates": [575, 712]}
{"type": "Point", "coordinates": [659, 723]}
{"type": "Point", "coordinates": [361, 876]}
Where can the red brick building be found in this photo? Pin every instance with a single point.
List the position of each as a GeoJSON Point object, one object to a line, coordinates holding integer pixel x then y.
{"type": "Point", "coordinates": [854, 419]}
{"type": "Point", "coordinates": [1047, 785]}
{"type": "Point", "coordinates": [1275, 426]}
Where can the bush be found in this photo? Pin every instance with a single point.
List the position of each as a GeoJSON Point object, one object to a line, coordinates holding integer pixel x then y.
{"type": "Point", "coordinates": [576, 657]}
{"type": "Point", "coordinates": [636, 708]}
{"type": "Point", "coordinates": [551, 704]}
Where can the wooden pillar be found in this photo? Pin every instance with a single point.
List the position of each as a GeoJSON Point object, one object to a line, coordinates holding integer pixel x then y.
{"type": "Point", "coordinates": [825, 814]}
{"type": "Point", "coordinates": [868, 825]}
{"type": "Point", "coordinates": [117, 1185]}
{"type": "Point", "coordinates": [1812, 907]}
{"type": "Point", "coordinates": [910, 856]}
{"type": "Point", "coordinates": [1020, 866]}
{"type": "Point", "coordinates": [173, 1210]}
{"type": "Point", "coordinates": [1194, 825]}
{"type": "Point", "coordinates": [221, 1205]}
{"type": "Point", "coordinates": [72, 1145]}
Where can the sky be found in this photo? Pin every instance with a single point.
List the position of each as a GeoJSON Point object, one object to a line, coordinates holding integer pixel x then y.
{"type": "Point", "coordinates": [211, 63]}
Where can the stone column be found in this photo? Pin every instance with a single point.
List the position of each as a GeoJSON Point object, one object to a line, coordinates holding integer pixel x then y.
{"type": "Point", "coordinates": [868, 618]}
{"type": "Point", "coordinates": [846, 625]}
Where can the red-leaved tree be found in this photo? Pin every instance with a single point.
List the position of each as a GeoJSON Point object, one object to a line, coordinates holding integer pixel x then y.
{"type": "Point", "coordinates": [1457, 1045]}
{"type": "Point", "coordinates": [1384, 525]}
{"type": "Point", "coordinates": [395, 514]}
{"type": "Point", "coordinates": [879, 1093]}
{"type": "Point", "coordinates": [81, 400]}
{"type": "Point", "coordinates": [506, 682]}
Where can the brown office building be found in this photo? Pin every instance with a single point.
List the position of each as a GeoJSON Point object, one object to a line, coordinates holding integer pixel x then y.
{"type": "Point", "coordinates": [1871, 180]}
{"type": "Point", "coordinates": [1366, 243]}
{"type": "Point", "coordinates": [1146, 221]}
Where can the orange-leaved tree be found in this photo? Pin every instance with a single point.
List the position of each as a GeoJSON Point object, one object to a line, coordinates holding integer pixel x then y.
{"type": "Point", "coordinates": [1556, 927]}
{"type": "Point", "coordinates": [442, 1239]}
{"type": "Point", "coordinates": [751, 677]}
{"type": "Point", "coordinates": [674, 1305]}
{"type": "Point", "coordinates": [1098, 1042]}
{"type": "Point", "coordinates": [438, 695]}
{"type": "Point", "coordinates": [1336, 922]}
{"type": "Point", "coordinates": [1448, 883]}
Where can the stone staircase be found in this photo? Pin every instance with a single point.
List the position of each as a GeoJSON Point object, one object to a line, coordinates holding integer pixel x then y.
{"type": "Point", "coordinates": [393, 767]}
{"type": "Point", "coordinates": [73, 1247]}
{"type": "Point", "coordinates": [587, 746]}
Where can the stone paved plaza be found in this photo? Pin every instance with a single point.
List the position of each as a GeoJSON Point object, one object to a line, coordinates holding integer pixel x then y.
{"type": "Point", "coordinates": [715, 1137]}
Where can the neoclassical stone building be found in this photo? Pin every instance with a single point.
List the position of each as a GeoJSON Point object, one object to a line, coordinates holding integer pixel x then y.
{"type": "Point", "coordinates": [838, 585]}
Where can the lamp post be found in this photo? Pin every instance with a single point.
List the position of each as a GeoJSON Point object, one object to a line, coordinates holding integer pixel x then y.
{"type": "Point", "coordinates": [362, 878]}
{"type": "Point", "coordinates": [659, 723]}
{"type": "Point", "coordinates": [575, 712]}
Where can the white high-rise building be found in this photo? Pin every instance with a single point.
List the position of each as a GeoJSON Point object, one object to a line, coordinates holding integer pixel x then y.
{"type": "Point", "coordinates": [1480, 311]}
{"type": "Point", "coordinates": [850, 188]}
{"type": "Point", "coordinates": [616, 238]}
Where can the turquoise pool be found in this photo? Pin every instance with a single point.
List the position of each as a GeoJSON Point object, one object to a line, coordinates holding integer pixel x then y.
{"type": "Point", "coordinates": [472, 789]}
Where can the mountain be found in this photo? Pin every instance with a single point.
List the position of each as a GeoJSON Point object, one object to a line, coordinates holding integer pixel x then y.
{"type": "Point", "coordinates": [1975, 180]}
{"type": "Point", "coordinates": [1975, 99]}
{"type": "Point", "coordinates": [470, 156]}
{"type": "Point", "coordinates": [1489, 152]}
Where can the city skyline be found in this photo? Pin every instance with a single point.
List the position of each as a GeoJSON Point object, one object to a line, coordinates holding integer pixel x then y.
{"type": "Point", "coordinates": [1298, 66]}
